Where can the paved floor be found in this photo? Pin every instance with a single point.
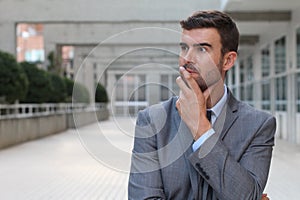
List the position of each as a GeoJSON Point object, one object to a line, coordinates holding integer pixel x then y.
{"type": "Point", "coordinates": [92, 163]}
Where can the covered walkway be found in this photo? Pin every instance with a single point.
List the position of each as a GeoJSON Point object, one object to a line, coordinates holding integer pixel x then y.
{"type": "Point", "coordinates": [75, 165]}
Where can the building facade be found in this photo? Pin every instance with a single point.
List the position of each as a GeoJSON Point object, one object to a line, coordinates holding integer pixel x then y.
{"type": "Point", "coordinates": [133, 50]}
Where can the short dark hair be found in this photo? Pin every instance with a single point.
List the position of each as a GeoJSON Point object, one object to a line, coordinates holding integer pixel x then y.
{"type": "Point", "coordinates": [225, 26]}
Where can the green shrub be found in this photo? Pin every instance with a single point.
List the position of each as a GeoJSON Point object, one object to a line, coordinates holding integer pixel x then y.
{"type": "Point", "coordinates": [58, 89]}
{"type": "Point", "coordinates": [101, 94]}
{"type": "Point", "coordinates": [80, 94]}
{"type": "Point", "coordinates": [69, 89]}
{"type": "Point", "coordinates": [76, 92]}
{"type": "Point", "coordinates": [40, 87]}
{"type": "Point", "coordinates": [13, 80]}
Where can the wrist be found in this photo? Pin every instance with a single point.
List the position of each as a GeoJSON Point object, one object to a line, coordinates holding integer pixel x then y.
{"type": "Point", "coordinates": [202, 128]}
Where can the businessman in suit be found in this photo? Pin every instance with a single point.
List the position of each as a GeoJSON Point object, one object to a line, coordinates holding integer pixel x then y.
{"type": "Point", "coordinates": [203, 144]}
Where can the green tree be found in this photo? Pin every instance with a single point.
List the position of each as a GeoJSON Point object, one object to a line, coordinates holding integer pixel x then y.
{"type": "Point", "coordinates": [58, 89]}
{"type": "Point", "coordinates": [101, 94]}
{"type": "Point", "coordinates": [13, 80]}
{"type": "Point", "coordinates": [54, 63]}
{"type": "Point", "coordinates": [76, 92]}
{"type": "Point", "coordinates": [40, 87]}
{"type": "Point", "coordinates": [69, 89]}
{"type": "Point", "coordinates": [80, 94]}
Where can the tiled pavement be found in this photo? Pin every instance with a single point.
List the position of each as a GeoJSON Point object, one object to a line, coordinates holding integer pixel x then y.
{"type": "Point", "coordinates": [93, 161]}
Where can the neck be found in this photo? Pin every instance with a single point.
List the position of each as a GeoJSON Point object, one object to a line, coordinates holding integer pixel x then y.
{"type": "Point", "coordinates": [217, 91]}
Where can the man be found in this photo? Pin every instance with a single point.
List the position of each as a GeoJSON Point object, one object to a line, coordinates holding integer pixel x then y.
{"type": "Point", "coordinates": [180, 152]}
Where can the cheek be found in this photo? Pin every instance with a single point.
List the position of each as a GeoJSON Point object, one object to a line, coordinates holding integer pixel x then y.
{"type": "Point", "coordinates": [181, 61]}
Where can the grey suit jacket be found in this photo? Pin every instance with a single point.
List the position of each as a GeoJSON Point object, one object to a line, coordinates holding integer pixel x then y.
{"type": "Point", "coordinates": [233, 164]}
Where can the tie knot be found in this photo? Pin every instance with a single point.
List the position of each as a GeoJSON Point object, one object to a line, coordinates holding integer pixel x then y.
{"type": "Point", "coordinates": [208, 115]}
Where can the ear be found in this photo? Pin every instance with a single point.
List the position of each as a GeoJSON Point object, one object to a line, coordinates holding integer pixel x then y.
{"type": "Point", "coordinates": [229, 59]}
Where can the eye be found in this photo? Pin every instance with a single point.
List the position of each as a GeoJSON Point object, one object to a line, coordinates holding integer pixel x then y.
{"type": "Point", "coordinates": [201, 49]}
{"type": "Point", "coordinates": [184, 48]}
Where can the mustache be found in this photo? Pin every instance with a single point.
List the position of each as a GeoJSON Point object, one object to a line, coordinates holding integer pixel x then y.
{"type": "Point", "coordinates": [200, 81]}
{"type": "Point", "coordinates": [190, 66]}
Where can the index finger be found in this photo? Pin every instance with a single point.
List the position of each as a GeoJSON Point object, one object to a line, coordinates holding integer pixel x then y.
{"type": "Point", "coordinates": [182, 85]}
{"type": "Point", "coordinates": [190, 80]}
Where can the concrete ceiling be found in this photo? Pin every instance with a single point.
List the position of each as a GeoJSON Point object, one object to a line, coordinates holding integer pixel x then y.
{"type": "Point", "coordinates": [255, 17]}
{"type": "Point", "coordinates": [261, 5]}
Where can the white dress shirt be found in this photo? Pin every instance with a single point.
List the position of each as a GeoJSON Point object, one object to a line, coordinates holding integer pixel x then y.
{"type": "Point", "coordinates": [216, 110]}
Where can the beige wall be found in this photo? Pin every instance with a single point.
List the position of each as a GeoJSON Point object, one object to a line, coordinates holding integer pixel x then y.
{"type": "Point", "coordinates": [14, 131]}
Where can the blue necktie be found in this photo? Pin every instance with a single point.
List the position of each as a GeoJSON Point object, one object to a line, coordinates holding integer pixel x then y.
{"type": "Point", "coordinates": [208, 115]}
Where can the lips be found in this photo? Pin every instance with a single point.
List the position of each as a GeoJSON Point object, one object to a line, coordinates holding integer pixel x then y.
{"type": "Point", "coordinates": [200, 81]}
{"type": "Point", "coordinates": [190, 68]}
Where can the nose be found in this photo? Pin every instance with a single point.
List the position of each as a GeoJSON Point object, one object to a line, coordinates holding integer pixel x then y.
{"type": "Point", "coordinates": [189, 56]}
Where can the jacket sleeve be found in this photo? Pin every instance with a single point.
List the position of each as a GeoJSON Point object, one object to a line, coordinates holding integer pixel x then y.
{"type": "Point", "coordinates": [237, 177]}
{"type": "Point", "coordinates": [145, 175]}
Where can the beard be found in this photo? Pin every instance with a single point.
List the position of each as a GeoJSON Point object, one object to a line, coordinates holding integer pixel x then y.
{"type": "Point", "coordinates": [204, 80]}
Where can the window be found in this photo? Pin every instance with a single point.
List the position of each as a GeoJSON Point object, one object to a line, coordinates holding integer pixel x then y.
{"type": "Point", "coordinates": [232, 75]}
{"type": "Point", "coordinates": [242, 93]}
{"type": "Point", "coordinates": [141, 88]}
{"type": "Point", "coordinates": [249, 69]}
{"type": "Point", "coordinates": [30, 43]}
{"type": "Point", "coordinates": [164, 91]}
{"type": "Point", "coordinates": [265, 62]}
{"type": "Point", "coordinates": [249, 93]}
{"type": "Point", "coordinates": [168, 86]}
{"type": "Point", "coordinates": [298, 47]}
{"type": "Point", "coordinates": [119, 88]}
{"type": "Point", "coordinates": [280, 56]}
{"type": "Point", "coordinates": [281, 93]}
{"type": "Point", "coordinates": [265, 93]}
{"type": "Point", "coordinates": [298, 91]}
{"type": "Point", "coordinates": [242, 72]}
{"type": "Point", "coordinates": [130, 88]}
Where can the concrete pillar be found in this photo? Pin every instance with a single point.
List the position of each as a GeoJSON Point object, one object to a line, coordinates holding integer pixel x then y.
{"type": "Point", "coordinates": [8, 37]}
{"type": "Point", "coordinates": [111, 82]}
{"type": "Point", "coordinates": [153, 88]}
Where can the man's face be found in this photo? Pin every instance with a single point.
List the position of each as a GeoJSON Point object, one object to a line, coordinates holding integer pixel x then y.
{"type": "Point", "coordinates": [201, 56]}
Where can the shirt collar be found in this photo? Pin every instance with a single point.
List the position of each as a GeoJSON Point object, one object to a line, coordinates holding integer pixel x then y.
{"type": "Point", "coordinates": [219, 106]}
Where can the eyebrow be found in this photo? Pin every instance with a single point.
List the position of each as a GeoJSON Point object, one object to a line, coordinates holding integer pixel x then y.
{"type": "Point", "coordinates": [196, 45]}
{"type": "Point", "coordinates": [202, 44]}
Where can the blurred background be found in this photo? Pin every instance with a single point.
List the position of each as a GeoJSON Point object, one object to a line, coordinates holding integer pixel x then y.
{"type": "Point", "coordinates": [67, 65]}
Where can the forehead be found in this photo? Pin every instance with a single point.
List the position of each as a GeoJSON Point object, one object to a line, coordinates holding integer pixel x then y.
{"type": "Point", "coordinates": [201, 35]}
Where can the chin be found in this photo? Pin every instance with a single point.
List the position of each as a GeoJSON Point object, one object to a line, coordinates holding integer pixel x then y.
{"type": "Point", "coordinates": [203, 87]}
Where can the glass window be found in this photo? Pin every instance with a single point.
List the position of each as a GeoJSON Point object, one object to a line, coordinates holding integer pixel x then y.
{"type": "Point", "coordinates": [298, 48]}
{"type": "Point", "coordinates": [249, 93]}
{"type": "Point", "coordinates": [30, 42]}
{"type": "Point", "coordinates": [175, 91]}
{"type": "Point", "coordinates": [242, 93]}
{"type": "Point", "coordinates": [142, 88]}
{"type": "Point", "coordinates": [280, 56]}
{"type": "Point", "coordinates": [232, 75]}
{"type": "Point", "coordinates": [249, 68]}
{"type": "Point", "coordinates": [281, 93]}
{"type": "Point", "coordinates": [168, 86]}
{"type": "Point", "coordinates": [298, 91]}
{"type": "Point", "coordinates": [131, 87]}
{"type": "Point", "coordinates": [164, 90]}
{"type": "Point", "coordinates": [242, 72]}
{"type": "Point", "coordinates": [265, 62]}
{"type": "Point", "coordinates": [265, 94]}
{"type": "Point", "coordinates": [119, 88]}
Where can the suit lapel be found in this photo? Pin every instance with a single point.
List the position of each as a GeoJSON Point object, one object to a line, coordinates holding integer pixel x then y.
{"type": "Point", "coordinates": [186, 141]}
{"type": "Point", "coordinates": [227, 117]}
{"type": "Point", "coordinates": [192, 172]}
{"type": "Point", "coordinates": [222, 125]}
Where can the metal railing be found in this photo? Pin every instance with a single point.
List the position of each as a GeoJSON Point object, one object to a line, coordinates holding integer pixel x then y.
{"type": "Point", "coordinates": [8, 111]}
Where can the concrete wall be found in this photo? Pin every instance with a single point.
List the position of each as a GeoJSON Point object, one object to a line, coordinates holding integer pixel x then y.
{"type": "Point", "coordinates": [69, 11]}
{"type": "Point", "coordinates": [15, 131]}
{"type": "Point", "coordinates": [287, 121]}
